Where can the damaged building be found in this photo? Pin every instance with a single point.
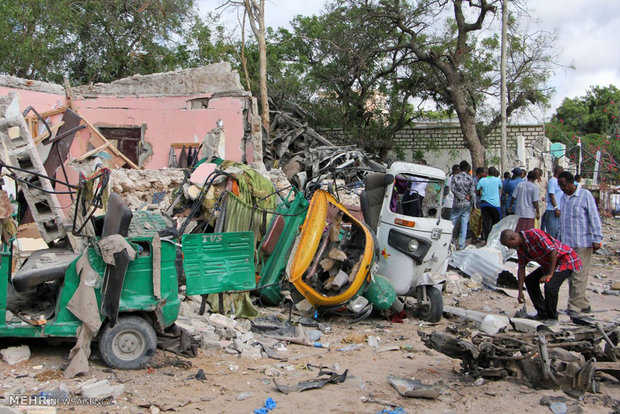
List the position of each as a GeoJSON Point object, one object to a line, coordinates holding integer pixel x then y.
{"type": "Point", "coordinates": [146, 117]}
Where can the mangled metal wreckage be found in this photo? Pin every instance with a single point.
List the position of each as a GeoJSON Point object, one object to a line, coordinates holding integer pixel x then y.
{"type": "Point", "coordinates": [115, 278]}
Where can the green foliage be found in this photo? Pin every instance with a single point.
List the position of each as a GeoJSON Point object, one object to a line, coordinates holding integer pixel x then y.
{"type": "Point", "coordinates": [100, 41]}
{"type": "Point", "coordinates": [595, 119]}
{"type": "Point", "coordinates": [333, 68]}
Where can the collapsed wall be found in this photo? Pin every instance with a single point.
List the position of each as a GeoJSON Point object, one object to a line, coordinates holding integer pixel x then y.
{"type": "Point", "coordinates": [216, 78]}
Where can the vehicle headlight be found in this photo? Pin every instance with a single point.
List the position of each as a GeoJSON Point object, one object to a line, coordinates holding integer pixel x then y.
{"type": "Point", "coordinates": [413, 245]}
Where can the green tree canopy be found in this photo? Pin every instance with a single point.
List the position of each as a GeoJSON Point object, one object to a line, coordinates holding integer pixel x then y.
{"type": "Point", "coordinates": [593, 118]}
{"type": "Point", "coordinates": [100, 41]}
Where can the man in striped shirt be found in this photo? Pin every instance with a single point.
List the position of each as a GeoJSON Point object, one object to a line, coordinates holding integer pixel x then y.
{"type": "Point", "coordinates": [557, 262]}
{"type": "Point", "coordinates": [580, 228]}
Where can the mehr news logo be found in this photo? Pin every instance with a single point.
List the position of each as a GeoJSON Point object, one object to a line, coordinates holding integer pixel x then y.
{"type": "Point", "coordinates": [43, 399]}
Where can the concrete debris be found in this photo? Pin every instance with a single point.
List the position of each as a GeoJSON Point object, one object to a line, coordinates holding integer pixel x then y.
{"type": "Point", "coordinates": [102, 389]}
{"type": "Point", "coordinates": [15, 354]}
{"type": "Point", "coordinates": [137, 187]}
{"type": "Point", "coordinates": [222, 321]}
{"type": "Point", "coordinates": [243, 396]}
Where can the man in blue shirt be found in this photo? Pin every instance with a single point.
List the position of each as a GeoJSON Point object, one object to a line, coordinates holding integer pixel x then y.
{"type": "Point", "coordinates": [489, 188]}
{"type": "Point", "coordinates": [551, 218]}
{"type": "Point", "coordinates": [580, 229]}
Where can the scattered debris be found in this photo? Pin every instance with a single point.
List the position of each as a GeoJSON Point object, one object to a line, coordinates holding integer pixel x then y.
{"type": "Point", "coordinates": [544, 359]}
{"type": "Point", "coordinates": [324, 378]}
{"type": "Point", "coordinates": [561, 405]}
{"type": "Point", "coordinates": [413, 388]}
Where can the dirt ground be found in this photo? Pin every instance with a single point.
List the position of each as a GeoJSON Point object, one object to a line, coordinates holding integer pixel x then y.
{"type": "Point", "coordinates": [170, 387]}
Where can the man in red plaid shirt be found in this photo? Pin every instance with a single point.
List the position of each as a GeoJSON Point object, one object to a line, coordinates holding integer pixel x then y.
{"type": "Point", "coordinates": [557, 262]}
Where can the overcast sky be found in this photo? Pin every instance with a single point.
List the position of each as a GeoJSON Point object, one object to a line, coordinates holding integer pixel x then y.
{"type": "Point", "coordinates": [588, 37]}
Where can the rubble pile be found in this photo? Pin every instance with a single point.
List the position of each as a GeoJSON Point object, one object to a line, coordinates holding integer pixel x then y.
{"type": "Point", "coordinates": [142, 187]}
{"type": "Point", "coordinates": [218, 332]}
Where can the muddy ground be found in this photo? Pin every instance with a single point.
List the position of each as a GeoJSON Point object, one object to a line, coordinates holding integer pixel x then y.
{"type": "Point", "coordinates": [171, 386]}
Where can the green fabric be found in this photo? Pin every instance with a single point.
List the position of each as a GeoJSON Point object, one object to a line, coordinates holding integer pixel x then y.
{"type": "Point", "coordinates": [240, 302]}
{"type": "Point", "coordinates": [254, 189]}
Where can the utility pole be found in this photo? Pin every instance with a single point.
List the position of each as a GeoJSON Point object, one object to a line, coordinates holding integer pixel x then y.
{"type": "Point", "coordinates": [504, 162]}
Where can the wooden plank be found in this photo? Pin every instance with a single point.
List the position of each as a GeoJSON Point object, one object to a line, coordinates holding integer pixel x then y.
{"type": "Point", "coordinates": [177, 145]}
{"type": "Point", "coordinates": [102, 141]}
{"type": "Point", "coordinates": [91, 152]}
{"type": "Point", "coordinates": [69, 93]}
{"type": "Point", "coordinates": [49, 113]}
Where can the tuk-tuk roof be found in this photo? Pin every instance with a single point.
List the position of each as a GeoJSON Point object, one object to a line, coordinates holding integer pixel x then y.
{"type": "Point", "coordinates": [400, 167]}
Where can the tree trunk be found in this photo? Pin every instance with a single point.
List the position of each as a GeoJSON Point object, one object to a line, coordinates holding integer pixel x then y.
{"type": "Point", "coordinates": [262, 61]}
{"type": "Point", "coordinates": [467, 121]}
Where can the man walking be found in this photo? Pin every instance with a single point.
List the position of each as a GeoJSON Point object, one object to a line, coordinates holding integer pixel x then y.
{"type": "Point", "coordinates": [489, 188]}
{"type": "Point", "coordinates": [557, 263]}
{"type": "Point", "coordinates": [462, 186]}
{"type": "Point", "coordinates": [551, 217]}
{"type": "Point", "coordinates": [526, 197]}
{"type": "Point", "coordinates": [581, 229]}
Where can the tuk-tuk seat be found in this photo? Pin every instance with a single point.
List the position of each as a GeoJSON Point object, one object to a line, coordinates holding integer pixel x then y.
{"type": "Point", "coordinates": [42, 266]}
{"type": "Point", "coordinates": [371, 199]}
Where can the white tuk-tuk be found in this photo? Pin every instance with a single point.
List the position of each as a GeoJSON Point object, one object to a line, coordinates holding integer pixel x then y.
{"type": "Point", "coordinates": [414, 248]}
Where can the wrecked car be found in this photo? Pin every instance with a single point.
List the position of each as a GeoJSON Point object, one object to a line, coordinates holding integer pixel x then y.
{"type": "Point", "coordinates": [414, 250]}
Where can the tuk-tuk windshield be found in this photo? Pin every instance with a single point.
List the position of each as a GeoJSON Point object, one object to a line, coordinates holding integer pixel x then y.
{"type": "Point", "coordinates": [417, 196]}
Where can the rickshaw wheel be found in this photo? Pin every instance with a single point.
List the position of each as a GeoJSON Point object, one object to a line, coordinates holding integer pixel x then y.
{"type": "Point", "coordinates": [129, 344]}
{"type": "Point", "coordinates": [430, 310]}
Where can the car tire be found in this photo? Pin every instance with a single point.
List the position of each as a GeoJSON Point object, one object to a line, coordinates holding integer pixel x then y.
{"type": "Point", "coordinates": [433, 310]}
{"type": "Point", "coordinates": [129, 344]}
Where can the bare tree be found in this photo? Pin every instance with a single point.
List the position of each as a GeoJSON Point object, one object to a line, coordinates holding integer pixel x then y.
{"type": "Point", "coordinates": [255, 10]}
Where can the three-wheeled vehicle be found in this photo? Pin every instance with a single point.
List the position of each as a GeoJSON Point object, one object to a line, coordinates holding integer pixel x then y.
{"type": "Point", "coordinates": [414, 250]}
{"type": "Point", "coordinates": [135, 301]}
{"type": "Point", "coordinates": [137, 297]}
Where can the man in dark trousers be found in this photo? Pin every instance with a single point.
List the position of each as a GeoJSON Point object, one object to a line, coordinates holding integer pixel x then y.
{"type": "Point", "coordinates": [557, 263]}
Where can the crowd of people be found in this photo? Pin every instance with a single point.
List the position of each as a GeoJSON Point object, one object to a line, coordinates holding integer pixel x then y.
{"type": "Point", "coordinates": [558, 227]}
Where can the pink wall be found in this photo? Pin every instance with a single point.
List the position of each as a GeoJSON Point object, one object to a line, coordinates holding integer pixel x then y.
{"type": "Point", "coordinates": [41, 101]}
{"type": "Point", "coordinates": [167, 119]}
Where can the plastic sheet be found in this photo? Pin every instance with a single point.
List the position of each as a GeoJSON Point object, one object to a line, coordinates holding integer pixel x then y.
{"type": "Point", "coordinates": [485, 262]}
{"type": "Point", "coordinates": [507, 223]}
